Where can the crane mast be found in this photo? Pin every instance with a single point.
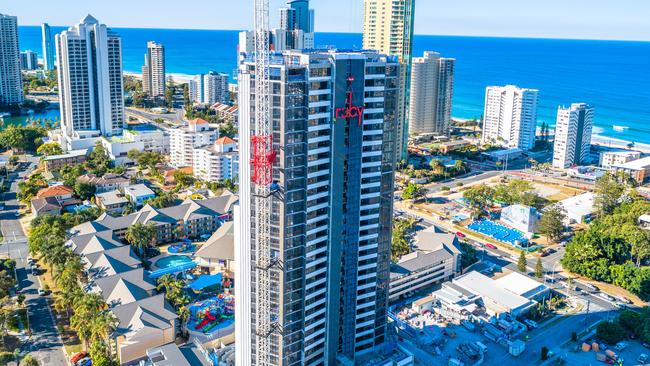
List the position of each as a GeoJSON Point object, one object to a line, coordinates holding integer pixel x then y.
{"type": "Point", "coordinates": [263, 156]}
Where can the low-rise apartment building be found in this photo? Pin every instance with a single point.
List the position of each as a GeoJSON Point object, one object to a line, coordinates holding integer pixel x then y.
{"type": "Point", "coordinates": [217, 162]}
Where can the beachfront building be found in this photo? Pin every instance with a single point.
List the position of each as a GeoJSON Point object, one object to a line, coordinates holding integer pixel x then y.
{"type": "Point", "coordinates": [331, 229]}
{"type": "Point", "coordinates": [436, 259]}
{"type": "Point", "coordinates": [11, 81]}
{"type": "Point", "coordinates": [89, 62]}
{"type": "Point", "coordinates": [573, 135]}
{"type": "Point", "coordinates": [153, 71]}
{"type": "Point", "coordinates": [195, 88]}
{"type": "Point", "coordinates": [216, 162]}
{"type": "Point", "coordinates": [388, 28]}
{"type": "Point", "coordinates": [215, 88]}
{"type": "Point", "coordinates": [28, 60]}
{"type": "Point", "coordinates": [618, 157]}
{"type": "Point", "coordinates": [48, 47]}
{"type": "Point", "coordinates": [510, 116]}
{"type": "Point", "coordinates": [185, 139]}
{"type": "Point", "coordinates": [432, 84]}
{"type": "Point", "coordinates": [638, 170]}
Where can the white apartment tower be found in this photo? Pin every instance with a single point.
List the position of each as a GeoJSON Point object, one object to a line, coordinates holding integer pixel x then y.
{"type": "Point", "coordinates": [215, 88]}
{"type": "Point", "coordinates": [572, 135]}
{"type": "Point", "coordinates": [153, 71]}
{"type": "Point", "coordinates": [195, 87]}
{"type": "Point", "coordinates": [510, 116]}
{"type": "Point", "coordinates": [334, 120]}
{"type": "Point", "coordinates": [48, 47]}
{"type": "Point", "coordinates": [11, 82]}
{"type": "Point", "coordinates": [432, 84]}
{"type": "Point", "coordinates": [388, 28]}
{"type": "Point", "coordinates": [89, 60]}
{"type": "Point", "coordinates": [184, 140]}
{"type": "Point", "coordinates": [217, 162]}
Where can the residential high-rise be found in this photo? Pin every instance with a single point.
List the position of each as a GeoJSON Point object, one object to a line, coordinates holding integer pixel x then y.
{"type": "Point", "coordinates": [11, 82]}
{"type": "Point", "coordinates": [153, 71]}
{"type": "Point", "coordinates": [215, 88]}
{"type": "Point", "coordinates": [89, 61]}
{"type": "Point", "coordinates": [432, 84]}
{"type": "Point", "coordinates": [388, 28]}
{"type": "Point", "coordinates": [510, 116]}
{"type": "Point", "coordinates": [334, 119]}
{"type": "Point", "coordinates": [572, 135]}
{"type": "Point", "coordinates": [296, 27]}
{"type": "Point", "coordinates": [217, 162]}
{"type": "Point", "coordinates": [185, 139]}
{"type": "Point", "coordinates": [196, 89]}
{"type": "Point", "coordinates": [28, 60]}
{"type": "Point", "coordinates": [48, 48]}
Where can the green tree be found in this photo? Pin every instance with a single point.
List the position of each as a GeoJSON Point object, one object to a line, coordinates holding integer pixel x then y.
{"type": "Point", "coordinates": [98, 161]}
{"type": "Point", "coordinates": [164, 200]}
{"type": "Point", "coordinates": [141, 237]}
{"type": "Point", "coordinates": [28, 361]}
{"type": "Point", "coordinates": [85, 191]}
{"type": "Point", "coordinates": [413, 191]}
{"type": "Point", "coordinates": [552, 222]}
{"type": "Point", "coordinates": [49, 149]}
{"type": "Point", "coordinates": [611, 332]}
{"type": "Point", "coordinates": [400, 237]}
{"type": "Point", "coordinates": [608, 191]}
{"type": "Point", "coordinates": [522, 262]}
{"type": "Point", "coordinates": [539, 269]}
{"type": "Point", "coordinates": [174, 291]}
{"type": "Point", "coordinates": [182, 179]}
{"type": "Point", "coordinates": [187, 102]}
{"type": "Point", "coordinates": [29, 188]}
{"type": "Point", "coordinates": [227, 130]}
{"type": "Point", "coordinates": [22, 138]}
{"type": "Point", "coordinates": [169, 93]}
{"type": "Point", "coordinates": [479, 197]}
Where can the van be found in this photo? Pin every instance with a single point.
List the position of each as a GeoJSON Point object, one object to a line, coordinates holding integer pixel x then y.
{"type": "Point", "coordinates": [481, 347]}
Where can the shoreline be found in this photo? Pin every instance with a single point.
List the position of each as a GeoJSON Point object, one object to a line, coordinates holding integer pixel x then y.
{"type": "Point", "coordinates": [177, 77]}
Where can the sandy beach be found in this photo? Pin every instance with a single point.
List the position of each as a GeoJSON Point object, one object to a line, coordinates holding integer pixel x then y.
{"type": "Point", "coordinates": [178, 78]}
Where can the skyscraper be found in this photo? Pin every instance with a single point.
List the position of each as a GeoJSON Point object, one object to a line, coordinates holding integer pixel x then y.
{"type": "Point", "coordinates": [89, 60]}
{"type": "Point", "coordinates": [296, 27]}
{"type": "Point", "coordinates": [11, 82]}
{"type": "Point", "coordinates": [48, 48]}
{"type": "Point", "coordinates": [333, 117]}
{"type": "Point", "coordinates": [196, 89]}
{"type": "Point", "coordinates": [510, 116]}
{"type": "Point", "coordinates": [28, 60]}
{"type": "Point", "coordinates": [215, 88]}
{"type": "Point", "coordinates": [432, 84]}
{"type": "Point", "coordinates": [388, 28]}
{"type": "Point", "coordinates": [153, 71]}
{"type": "Point", "coordinates": [572, 135]}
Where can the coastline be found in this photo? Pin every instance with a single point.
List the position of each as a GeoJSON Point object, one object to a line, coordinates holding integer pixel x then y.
{"type": "Point", "coordinates": [178, 78]}
{"type": "Point", "coordinates": [614, 143]}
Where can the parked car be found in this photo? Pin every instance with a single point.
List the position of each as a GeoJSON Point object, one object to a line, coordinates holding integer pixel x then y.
{"type": "Point", "coordinates": [460, 235]}
{"type": "Point", "coordinates": [491, 246]}
{"type": "Point", "coordinates": [531, 323]}
{"type": "Point", "coordinates": [605, 296]}
{"type": "Point", "coordinates": [643, 359]}
{"type": "Point", "coordinates": [621, 346]}
{"type": "Point", "coordinates": [41, 292]}
{"type": "Point", "coordinates": [646, 345]}
{"type": "Point", "coordinates": [591, 287]}
{"type": "Point", "coordinates": [78, 356]}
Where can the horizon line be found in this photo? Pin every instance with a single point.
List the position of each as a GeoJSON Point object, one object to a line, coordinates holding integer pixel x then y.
{"type": "Point", "coordinates": [361, 33]}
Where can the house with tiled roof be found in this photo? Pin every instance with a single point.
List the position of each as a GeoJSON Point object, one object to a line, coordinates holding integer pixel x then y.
{"type": "Point", "coordinates": [46, 206]}
{"type": "Point", "coordinates": [60, 192]}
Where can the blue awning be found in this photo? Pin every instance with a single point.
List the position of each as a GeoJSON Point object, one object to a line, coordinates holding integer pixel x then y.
{"type": "Point", "coordinates": [206, 281]}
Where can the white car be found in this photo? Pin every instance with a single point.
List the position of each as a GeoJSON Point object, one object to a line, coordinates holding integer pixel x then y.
{"type": "Point", "coordinates": [41, 292]}
{"type": "Point", "coordinates": [606, 297]}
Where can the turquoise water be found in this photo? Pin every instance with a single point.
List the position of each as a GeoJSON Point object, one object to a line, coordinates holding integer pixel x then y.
{"type": "Point", "coordinates": [613, 76]}
{"type": "Point", "coordinates": [48, 114]}
{"type": "Point", "coordinates": [172, 261]}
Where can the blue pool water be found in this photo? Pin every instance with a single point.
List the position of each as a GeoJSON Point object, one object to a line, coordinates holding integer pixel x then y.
{"type": "Point", "coordinates": [172, 261]}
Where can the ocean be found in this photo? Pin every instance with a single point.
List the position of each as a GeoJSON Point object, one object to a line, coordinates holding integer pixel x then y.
{"type": "Point", "coordinates": [613, 76]}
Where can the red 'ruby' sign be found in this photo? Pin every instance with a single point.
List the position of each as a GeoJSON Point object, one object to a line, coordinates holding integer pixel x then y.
{"type": "Point", "coordinates": [350, 111]}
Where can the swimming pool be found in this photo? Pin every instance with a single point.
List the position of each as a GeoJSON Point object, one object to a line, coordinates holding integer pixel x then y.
{"type": "Point", "coordinates": [499, 232]}
{"type": "Point", "coordinates": [172, 261]}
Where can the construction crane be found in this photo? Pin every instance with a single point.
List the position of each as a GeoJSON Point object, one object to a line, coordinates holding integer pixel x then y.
{"type": "Point", "coordinates": [263, 156]}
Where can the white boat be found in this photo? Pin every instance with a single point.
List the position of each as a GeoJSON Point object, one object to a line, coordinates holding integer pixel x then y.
{"type": "Point", "coordinates": [5, 114]}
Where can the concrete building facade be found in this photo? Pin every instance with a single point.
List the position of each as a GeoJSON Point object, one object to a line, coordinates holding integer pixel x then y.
{"type": "Point", "coordinates": [153, 71]}
{"type": "Point", "coordinates": [28, 60]}
{"type": "Point", "coordinates": [388, 28]}
{"type": "Point", "coordinates": [573, 135]}
{"type": "Point", "coordinates": [432, 86]}
{"type": "Point", "coordinates": [184, 140]}
{"type": "Point", "coordinates": [89, 61]}
{"type": "Point", "coordinates": [334, 115]}
{"type": "Point", "coordinates": [11, 81]}
{"type": "Point", "coordinates": [510, 116]}
{"type": "Point", "coordinates": [48, 47]}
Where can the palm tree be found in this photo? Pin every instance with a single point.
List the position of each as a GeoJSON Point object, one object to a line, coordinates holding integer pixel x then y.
{"type": "Point", "coordinates": [141, 237]}
{"type": "Point", "coordinates": [102, 326]}
{"type": "Point", "coordinates": [86, 308]}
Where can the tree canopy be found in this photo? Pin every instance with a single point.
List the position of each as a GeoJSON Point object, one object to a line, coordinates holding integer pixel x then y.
{"type": "Point", "coordinates": [22, 138]}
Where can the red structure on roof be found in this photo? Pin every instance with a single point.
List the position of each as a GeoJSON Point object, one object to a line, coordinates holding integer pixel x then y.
{"type": "Point", "coordinates": [263, 158]}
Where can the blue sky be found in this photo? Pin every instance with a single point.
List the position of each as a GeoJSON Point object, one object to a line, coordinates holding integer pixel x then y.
{"type": "Point", "coordinates": [590, 19]}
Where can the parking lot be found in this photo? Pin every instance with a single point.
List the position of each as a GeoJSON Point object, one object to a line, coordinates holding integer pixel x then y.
{"type": "Point", "coordinates": [574, 355]}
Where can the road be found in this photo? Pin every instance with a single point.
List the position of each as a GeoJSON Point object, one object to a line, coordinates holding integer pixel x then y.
{"type": "Point", "coordinates": [173, 118]}
{"type": "Point", "coordinates": [45, 343]}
